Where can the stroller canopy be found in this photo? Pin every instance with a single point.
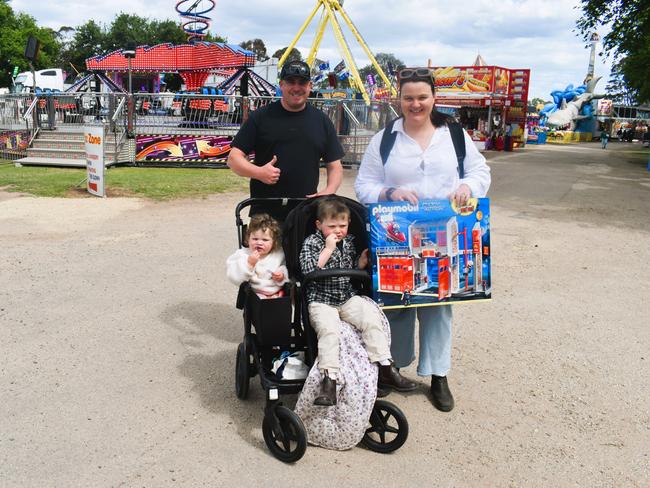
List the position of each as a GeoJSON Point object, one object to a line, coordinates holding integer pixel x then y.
{"type": "Point", "coordinates": [301, 222]}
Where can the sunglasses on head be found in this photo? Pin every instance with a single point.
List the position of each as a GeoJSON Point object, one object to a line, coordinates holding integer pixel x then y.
{"type": "Point", "coordinates": [408, 73]}
{"type": "Point", "coordinates": [296, 70]}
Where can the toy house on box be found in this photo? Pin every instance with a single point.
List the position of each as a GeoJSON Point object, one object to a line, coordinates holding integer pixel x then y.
{"type": "Point", "coordinates": [430, 254]}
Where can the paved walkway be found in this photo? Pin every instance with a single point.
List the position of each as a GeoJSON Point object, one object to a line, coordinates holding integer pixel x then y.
{"type": "Point", "coordinates": [118, 335]}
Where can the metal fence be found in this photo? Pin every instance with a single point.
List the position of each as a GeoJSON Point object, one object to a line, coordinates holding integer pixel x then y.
{"type": "Point", "coordinates": [174, 114]}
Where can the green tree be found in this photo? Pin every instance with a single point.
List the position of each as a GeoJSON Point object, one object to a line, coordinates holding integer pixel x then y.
{"type": "Point", "coordinates": [16, 29]}
{"type": "Point", "coordinates": [294, 55]}
{"type": "Point", "coordinates": [388, 62]}
{"type": "Point", "coordinates": [88, 40]}
{"type": "Point", "coordinates": [618, 90]}
{"type": "Point", "coordinates": [628, 40]}
{"type": "Point", "coordinates": [257, 46]}
{"type": "Point", "coordinates": [127, 28]}
{"type": "Point", "coordinates": [166, 31]}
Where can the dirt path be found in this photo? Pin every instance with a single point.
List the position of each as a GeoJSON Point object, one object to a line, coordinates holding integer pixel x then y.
{"type": "Point", "coordinates": [118, 335]}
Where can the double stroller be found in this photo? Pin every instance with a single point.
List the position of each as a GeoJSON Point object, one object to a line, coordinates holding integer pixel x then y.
{"type": "Point", "coordinates": [273, 327]}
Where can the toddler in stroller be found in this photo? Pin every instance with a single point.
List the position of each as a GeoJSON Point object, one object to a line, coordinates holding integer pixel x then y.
{"type": "Point", "coordinates": [334, 299]}
{"type": "Point", "coordinates": [262, 262]}
{"type": "Point", "coordinates": [281, 325]}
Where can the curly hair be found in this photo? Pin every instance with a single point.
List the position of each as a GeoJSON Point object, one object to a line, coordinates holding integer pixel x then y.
{"type": "Point", "coordinates": [265, 222]}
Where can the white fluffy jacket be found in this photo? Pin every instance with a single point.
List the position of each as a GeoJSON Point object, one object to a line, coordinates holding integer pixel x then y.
{"type": "Point", "coordinates": [238, 271]}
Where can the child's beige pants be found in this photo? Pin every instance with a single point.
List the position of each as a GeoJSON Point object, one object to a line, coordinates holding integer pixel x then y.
{"type": "Point", "coordinates": [360, 314]}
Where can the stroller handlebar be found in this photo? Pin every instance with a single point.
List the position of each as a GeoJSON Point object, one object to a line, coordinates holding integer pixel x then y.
{"type": "Point", "coordinates": [321, 274]}
{"type": "Point", "coordinates": [251, 201]}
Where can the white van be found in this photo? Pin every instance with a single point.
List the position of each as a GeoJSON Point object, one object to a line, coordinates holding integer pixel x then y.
{"type": "Point", "coordinates": [51, 79]}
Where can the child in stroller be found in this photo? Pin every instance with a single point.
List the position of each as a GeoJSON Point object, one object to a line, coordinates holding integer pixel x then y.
{"type": "Point", "coordinates": [334, 299]}
{"type": "Point", "coordinates": [262, 262]}
{"type": "Point", "coordinates": [273, 327]}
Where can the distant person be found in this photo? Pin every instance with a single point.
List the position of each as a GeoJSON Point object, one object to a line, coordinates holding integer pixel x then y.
{"type": "Point", "coordinates": [289, 138]}
{"type": "Point", "coordinates": [604, 138]}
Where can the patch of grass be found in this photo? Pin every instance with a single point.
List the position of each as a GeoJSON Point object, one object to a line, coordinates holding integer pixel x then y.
{"type": "Point", "coordinates": [153, 183]}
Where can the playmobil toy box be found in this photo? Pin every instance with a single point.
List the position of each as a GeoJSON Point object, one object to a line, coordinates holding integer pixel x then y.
{"type": "Point", "coordinates": [432, 253]}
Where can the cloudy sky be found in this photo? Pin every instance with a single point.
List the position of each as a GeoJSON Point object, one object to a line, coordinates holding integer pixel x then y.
{"type": "Point", "coordinates": [535, 34]}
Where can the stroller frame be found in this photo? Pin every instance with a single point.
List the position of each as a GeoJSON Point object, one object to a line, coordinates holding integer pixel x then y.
{"type": "Point", "coordinates": [275, 325]}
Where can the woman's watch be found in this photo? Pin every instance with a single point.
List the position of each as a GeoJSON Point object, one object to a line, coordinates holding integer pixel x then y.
{"type": "Point", "coordinates": [389, 193]}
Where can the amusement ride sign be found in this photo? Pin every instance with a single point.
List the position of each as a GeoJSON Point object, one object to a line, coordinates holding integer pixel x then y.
{"type": "Point", "coordinates": [94, 139]}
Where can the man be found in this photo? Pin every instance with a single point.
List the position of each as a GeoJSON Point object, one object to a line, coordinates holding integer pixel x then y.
{"type": "Point", "coordinates": [289, 138]}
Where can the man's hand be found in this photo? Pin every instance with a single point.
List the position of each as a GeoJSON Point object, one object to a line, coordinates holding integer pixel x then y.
{"type": "Point", "coordinates": [363, 259]}
{"type": "Point", "coordinates": [253, 258]}
{"type": "Point", "coordinates": [330, 242]}
{"type": "Point", "coordinates": [269, 174]}
{"type": "Point", "coordinates": [277, 276]}
{"type": "Point", "coordinates": [334, 178]}
{"type": "Point", "coordinates": [323, 192]}
{"type": "Point", "coordinates": [461, 195]}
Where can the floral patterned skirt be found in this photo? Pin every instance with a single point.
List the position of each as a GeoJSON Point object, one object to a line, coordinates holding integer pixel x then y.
{"type": "Point", "coordinates": [343, 425]}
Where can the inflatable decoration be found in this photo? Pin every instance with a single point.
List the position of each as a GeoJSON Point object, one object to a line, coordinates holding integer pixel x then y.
{"type": "Point", "coordinates": [570, 106]}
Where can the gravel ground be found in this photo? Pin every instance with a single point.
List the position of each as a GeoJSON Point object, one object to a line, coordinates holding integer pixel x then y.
{"type": "Point", "coordinates": [118, 335]}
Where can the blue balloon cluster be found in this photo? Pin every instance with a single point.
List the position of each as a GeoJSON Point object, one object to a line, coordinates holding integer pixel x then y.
{"type": "Point", "coordinates": [568, 94]}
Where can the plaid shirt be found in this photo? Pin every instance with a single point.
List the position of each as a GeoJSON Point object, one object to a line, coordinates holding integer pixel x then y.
{"type": "Point", "coordinates": [331, 291]}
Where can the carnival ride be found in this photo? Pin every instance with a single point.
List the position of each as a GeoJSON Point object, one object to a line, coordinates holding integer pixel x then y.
{"type": "Point", "coordinates": [196, 23]}
{"type": "Point", "coordinates": [330, 9]}
{"type": "Point", "coordinates": [193, 62]}
{"type": "Point", "coordinates": [195, 19]}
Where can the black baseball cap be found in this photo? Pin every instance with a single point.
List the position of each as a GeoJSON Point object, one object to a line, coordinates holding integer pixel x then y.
{"type": "Point", "coordinates": [298, 69]}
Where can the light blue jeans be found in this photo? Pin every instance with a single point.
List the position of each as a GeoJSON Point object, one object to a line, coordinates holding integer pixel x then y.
{"type": "Point", "coordinates": [435, 338]}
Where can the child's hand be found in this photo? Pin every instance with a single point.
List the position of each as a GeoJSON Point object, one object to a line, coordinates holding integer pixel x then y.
{"type": "Point", "coordinates": [330, 242]}
{"type": "Point", "coordinates": [363, 259]}
{"type": "Point", "coordinates": [253, 258]}
{"type": "Point", "coordinates": [277, 276]}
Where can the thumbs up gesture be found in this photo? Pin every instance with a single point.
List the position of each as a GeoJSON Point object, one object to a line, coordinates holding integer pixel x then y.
{"type": "Point", "coordinates": [269, 174]}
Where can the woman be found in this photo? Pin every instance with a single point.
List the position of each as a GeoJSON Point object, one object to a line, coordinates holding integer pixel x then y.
{"type": "Point", "coordinates": [422, 164]}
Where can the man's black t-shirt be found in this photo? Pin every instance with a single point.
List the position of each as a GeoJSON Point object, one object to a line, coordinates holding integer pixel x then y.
{"type": "Point", "coordinates": [298, 139]}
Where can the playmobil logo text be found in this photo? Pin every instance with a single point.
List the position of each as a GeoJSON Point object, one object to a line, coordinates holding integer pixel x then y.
{"type": "Point", "coordinates": [381, 209]}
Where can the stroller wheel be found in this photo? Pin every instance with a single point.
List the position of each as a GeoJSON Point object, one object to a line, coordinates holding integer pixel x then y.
{"type": "Point", "coordinates": [388, 428]}
{"type": "Point", "coordinates": [287, 440]}
{"type": "Point", "coordinates": [242, 372]}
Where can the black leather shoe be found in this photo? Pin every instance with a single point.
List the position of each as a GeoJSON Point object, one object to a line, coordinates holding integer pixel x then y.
{"type": "Point", "coordinates": [327, 395]}
{"type": "Point", "coordinates": [441, 396]}
{"type": "Point", "coordinates": [389, 377]}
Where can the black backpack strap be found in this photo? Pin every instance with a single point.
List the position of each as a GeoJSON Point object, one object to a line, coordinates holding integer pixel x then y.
{"type": "Point", "coordinates": [458, 138]}
{"type": "Point", "coordinates": [387, 141]}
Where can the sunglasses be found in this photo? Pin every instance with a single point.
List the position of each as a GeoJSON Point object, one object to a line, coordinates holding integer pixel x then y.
{"type": "Point", "coordinates": [295, 70]}
{"type": "Point", "coordinates": [408, 73]}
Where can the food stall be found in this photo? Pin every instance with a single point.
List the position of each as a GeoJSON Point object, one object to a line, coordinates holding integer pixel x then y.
{"type": "Point", "coordinates": [492, 101]}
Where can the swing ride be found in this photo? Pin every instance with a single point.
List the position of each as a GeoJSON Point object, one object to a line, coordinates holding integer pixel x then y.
{"type": "Point", "coordinates": [329, 11]}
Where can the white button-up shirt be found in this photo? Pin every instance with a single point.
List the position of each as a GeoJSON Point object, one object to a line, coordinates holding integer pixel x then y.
{"type": "Point", "coordinates": [432, 173]}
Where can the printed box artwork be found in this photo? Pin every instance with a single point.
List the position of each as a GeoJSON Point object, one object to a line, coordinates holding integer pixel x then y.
{"type": "Point", "coordinates": [429, 254]}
